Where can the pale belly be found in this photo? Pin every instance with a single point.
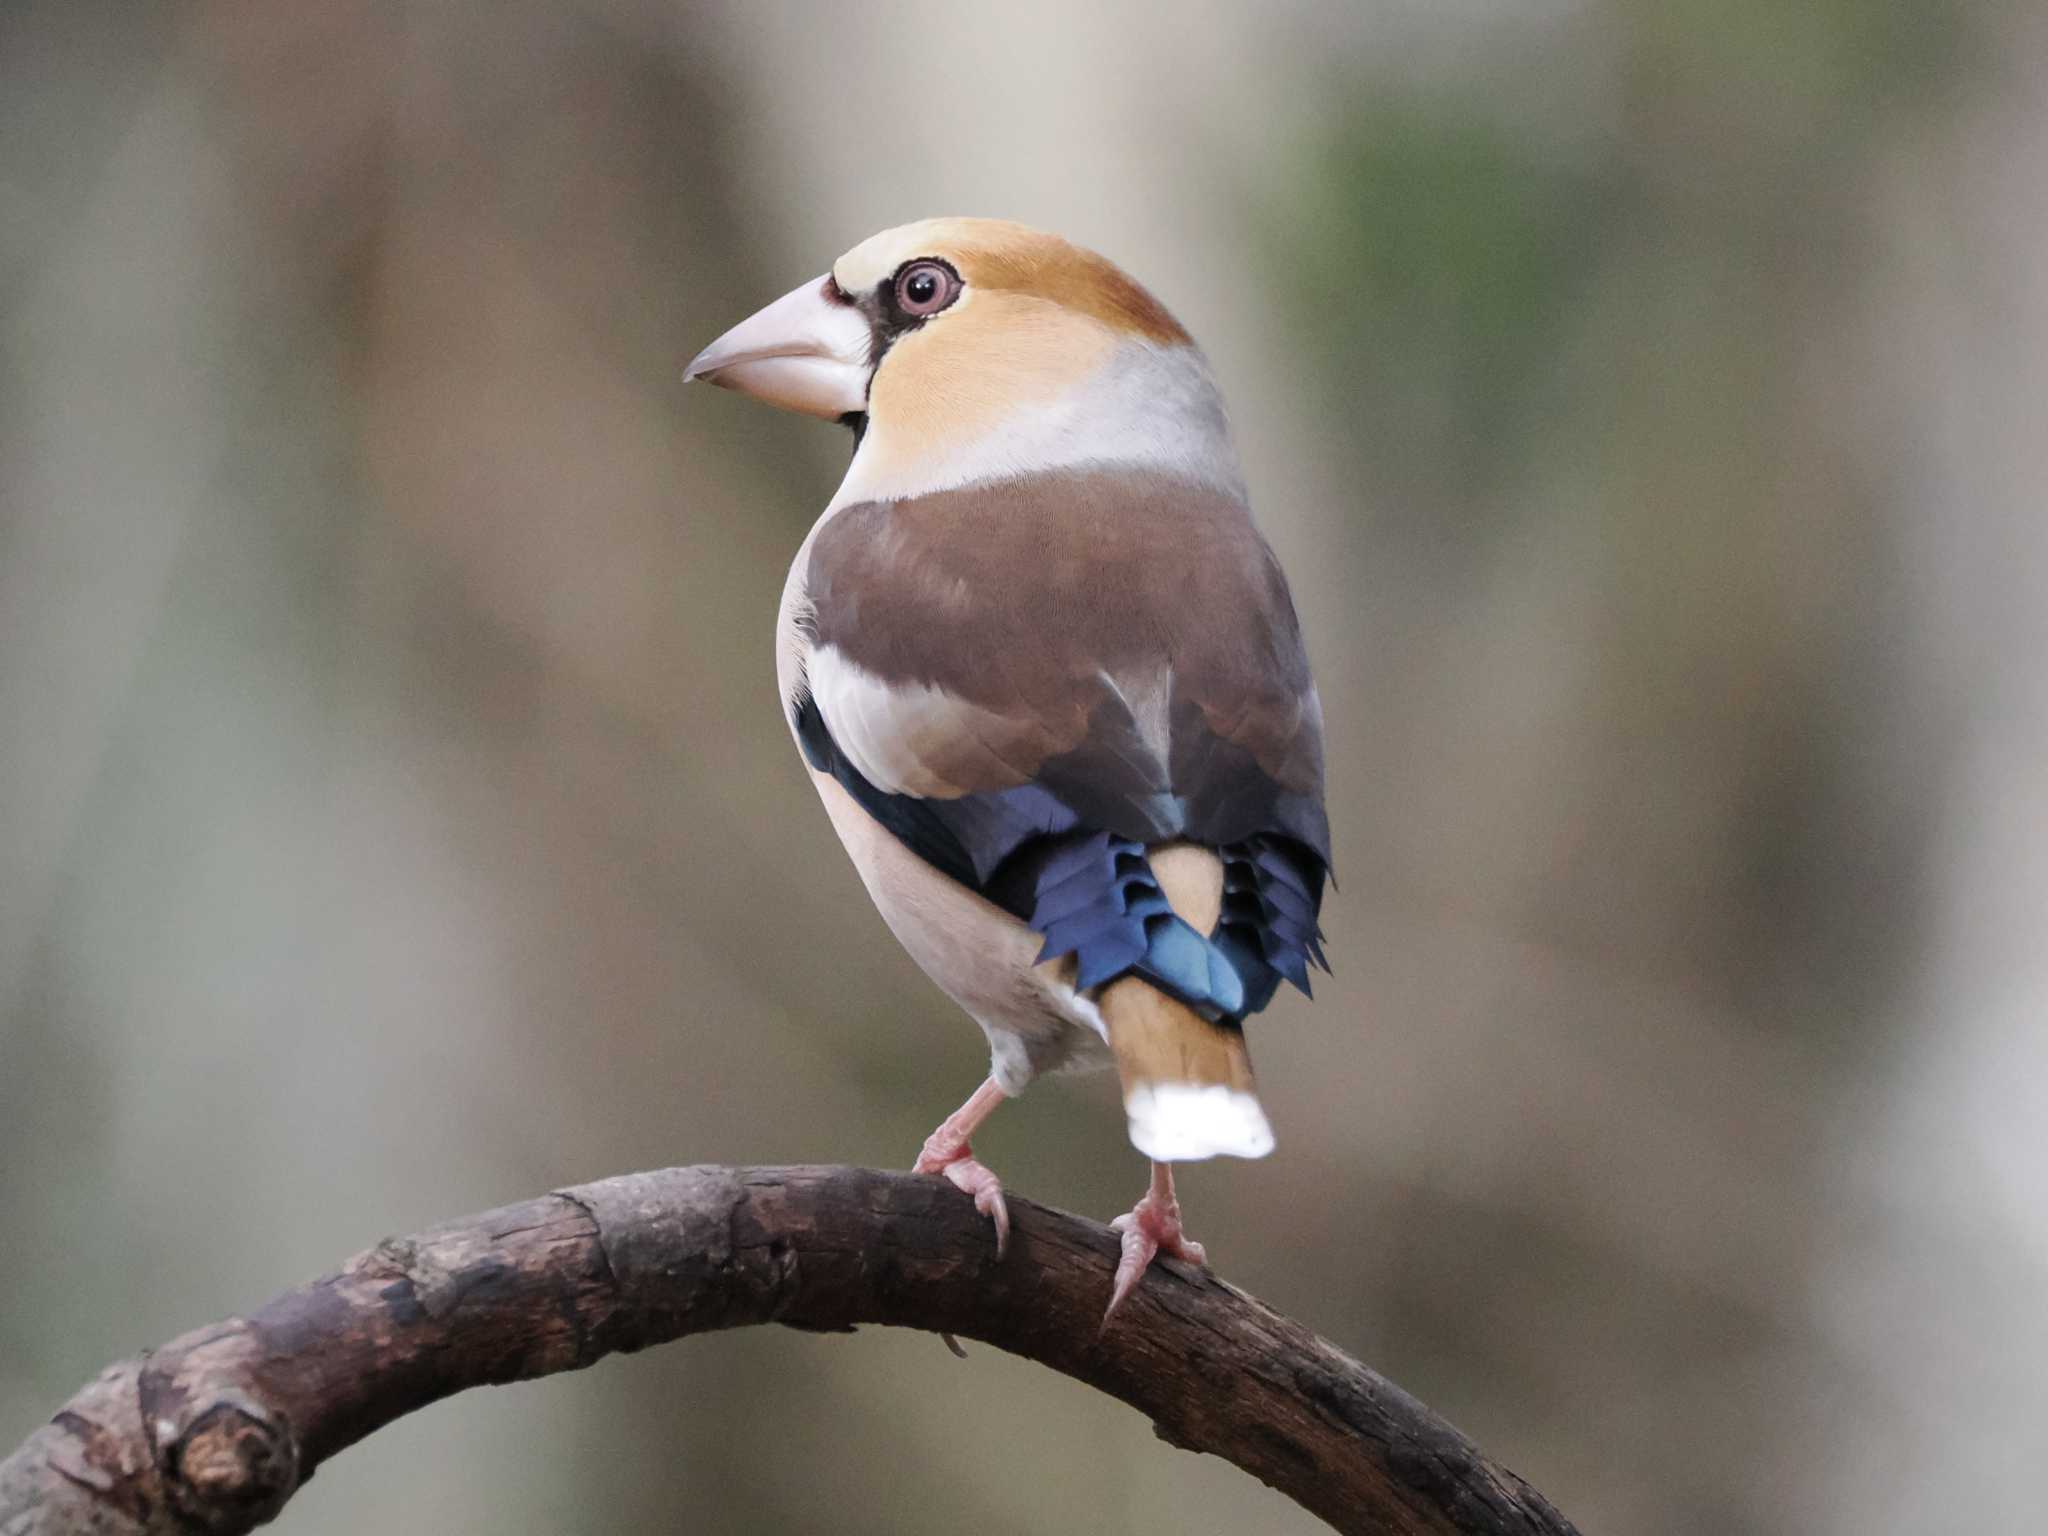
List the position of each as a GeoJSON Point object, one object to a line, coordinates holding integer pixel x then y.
{"type": "Point", "coordinates": [980, 956]}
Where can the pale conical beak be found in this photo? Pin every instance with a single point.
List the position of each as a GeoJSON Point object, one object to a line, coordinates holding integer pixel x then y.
{"type": "Point", "coordinates": [808, 351]}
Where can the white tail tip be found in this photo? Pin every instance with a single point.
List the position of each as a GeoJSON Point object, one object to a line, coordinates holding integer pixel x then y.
{"type": "Point", "coordinates": [1186, 1122]}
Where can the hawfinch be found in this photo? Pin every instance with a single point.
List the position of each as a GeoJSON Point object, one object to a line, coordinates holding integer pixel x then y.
{"type": "Point", "coordinates": [1049, 681]}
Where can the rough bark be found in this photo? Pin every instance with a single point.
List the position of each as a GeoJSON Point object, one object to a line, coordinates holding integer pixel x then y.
{"type": "Point", "coordinates": [216, 1430]}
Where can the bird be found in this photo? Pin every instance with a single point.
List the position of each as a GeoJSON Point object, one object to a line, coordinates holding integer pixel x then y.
{"type": "Point", "coordinates": [1047, 676]}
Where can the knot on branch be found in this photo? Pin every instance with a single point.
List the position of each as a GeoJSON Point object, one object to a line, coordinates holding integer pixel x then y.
{"type": "Point", "coordinates": [232, 1468]}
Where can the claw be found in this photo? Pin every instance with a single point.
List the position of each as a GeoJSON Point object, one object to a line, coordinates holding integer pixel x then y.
{"type": "Point", "coordinates": [975, 1179]}
{"type": "Point", "coordinates": [1150, 1228]}
{"type": "Point", "coordinates": [946, 1152]}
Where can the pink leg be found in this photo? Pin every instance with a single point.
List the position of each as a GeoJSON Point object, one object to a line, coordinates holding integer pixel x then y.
{"type": "Point", "coordinates": [1152, 1227]}
{"type": "Point", "coordinates": [946, 1151]}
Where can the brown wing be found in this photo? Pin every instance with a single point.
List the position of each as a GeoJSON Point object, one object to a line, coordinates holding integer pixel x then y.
{"type": "Point", "coordinates": [1117, 642]}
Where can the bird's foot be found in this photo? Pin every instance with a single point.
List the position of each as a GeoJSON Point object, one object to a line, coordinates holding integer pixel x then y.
{"type": "Point", "coordinates": [957, 1165]}
{"type": "Point", "coordinates": [1150, 1228]}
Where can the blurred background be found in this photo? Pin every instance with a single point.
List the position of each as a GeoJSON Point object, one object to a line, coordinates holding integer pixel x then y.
{"type": "Point", "coordinates": [1650, 402]}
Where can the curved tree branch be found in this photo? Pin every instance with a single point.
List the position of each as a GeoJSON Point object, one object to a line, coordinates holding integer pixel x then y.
{"type": "Point", "coordinates": [217, 1429]}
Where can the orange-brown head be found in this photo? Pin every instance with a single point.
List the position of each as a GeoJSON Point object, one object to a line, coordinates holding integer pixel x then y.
{"type": "Point", "coordinates": [947, 342]}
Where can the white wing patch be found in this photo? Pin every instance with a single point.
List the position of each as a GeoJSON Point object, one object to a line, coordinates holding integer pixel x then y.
{"type": "Point", "coordinates": [1146, 695]}
{"type": "Point", "coordinates": [914, 739]}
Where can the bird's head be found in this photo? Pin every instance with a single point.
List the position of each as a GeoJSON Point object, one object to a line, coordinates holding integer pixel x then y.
{"type": "Point", "coordinates": [962, 349]}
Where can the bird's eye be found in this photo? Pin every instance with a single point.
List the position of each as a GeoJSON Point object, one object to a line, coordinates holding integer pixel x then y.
{"type": "Point", "coordinates": [926, 287]}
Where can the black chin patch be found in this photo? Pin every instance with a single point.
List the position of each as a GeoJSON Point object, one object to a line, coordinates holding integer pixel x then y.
{"type": "Point", "coordinates": [857, 422]}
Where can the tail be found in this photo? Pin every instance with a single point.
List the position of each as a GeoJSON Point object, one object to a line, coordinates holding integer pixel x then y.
{"type": "Point", "coordinates": [1187, 1083]}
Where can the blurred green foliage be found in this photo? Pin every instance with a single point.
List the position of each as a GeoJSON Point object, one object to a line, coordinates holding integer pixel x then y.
{"type": "Point", "coordinates": [1430, 260]}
